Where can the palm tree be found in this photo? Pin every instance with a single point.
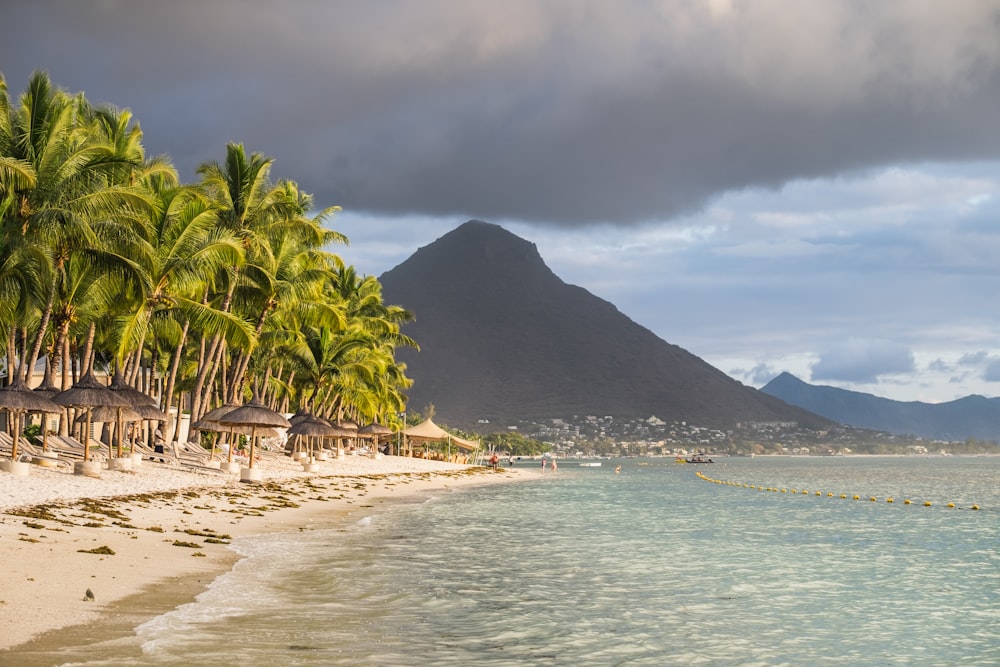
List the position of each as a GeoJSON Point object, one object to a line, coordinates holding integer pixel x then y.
{"type": "Point", "coordinates": [73, 166]}
{"type": "Point", "coordinates": [279, 243]}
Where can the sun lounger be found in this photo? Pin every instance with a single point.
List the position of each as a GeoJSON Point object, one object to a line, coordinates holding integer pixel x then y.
{"type": "Point", "coordinates": [29, 452]}
{"type": "Point", "coordinates": [6, 443]}
{"type": "Point", "coordinates": [69, 447]}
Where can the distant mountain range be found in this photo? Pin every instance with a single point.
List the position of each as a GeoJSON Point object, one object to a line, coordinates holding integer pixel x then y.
{"type": "Point", "coordinates": [970, 417]}
{"type": "Point", "coordinates": [503, 339]}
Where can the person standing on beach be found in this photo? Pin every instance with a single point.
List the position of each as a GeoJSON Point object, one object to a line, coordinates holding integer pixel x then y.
{"type": "Point", "coordinates": [554, 466]}
{"type": "Point", "coordinates": [494, 461]}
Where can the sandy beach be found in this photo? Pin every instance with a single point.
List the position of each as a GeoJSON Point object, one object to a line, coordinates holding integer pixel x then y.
{"type": "Point", "coordinates": [86, 560]}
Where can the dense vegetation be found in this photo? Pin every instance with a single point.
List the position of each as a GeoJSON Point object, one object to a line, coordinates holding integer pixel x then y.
{"type": "Point", "coordinates": [199, 293]}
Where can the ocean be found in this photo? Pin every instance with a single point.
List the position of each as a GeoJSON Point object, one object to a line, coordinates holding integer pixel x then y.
{"type": "Point", "coordinates": [655, 565]}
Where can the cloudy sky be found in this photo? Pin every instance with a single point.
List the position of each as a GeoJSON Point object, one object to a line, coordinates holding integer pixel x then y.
{"type": "Point", "coordinates": [773, 185]}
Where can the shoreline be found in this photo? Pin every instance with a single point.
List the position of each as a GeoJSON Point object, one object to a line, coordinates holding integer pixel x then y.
{"type": "Point", "coordinates": [164, 534]}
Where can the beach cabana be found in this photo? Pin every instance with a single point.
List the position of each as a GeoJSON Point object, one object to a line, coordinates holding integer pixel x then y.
{"type": "Point", "coordinates": [428, 431]}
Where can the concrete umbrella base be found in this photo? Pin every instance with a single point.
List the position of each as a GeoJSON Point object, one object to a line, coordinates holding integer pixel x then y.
{"type": "Point", "coordinates": [19, 468]}
{"type": "Point", "coordinates": [87, 468]}
{"type": "Point", "coordinates": [123, 464]}
{"type": "Point", "coordinates": [251, 475]}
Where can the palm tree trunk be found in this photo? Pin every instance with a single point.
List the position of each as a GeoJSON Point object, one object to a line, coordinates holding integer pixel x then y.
{"type": "Point", "coordinates": [199, 382]}
{"type": "Point", "coordinates": [241, 369]}
{"type": "Point", "coordinates": [11, 352]}
{"type": "Point", "coordinates": [136, 363]}
{"type": "Point", "coordinates": [167, 397]}
{"type": "Point", "coordinates": [205, 361]}
{"type": "Point", "coordinates": [43, 325]}
{"type": "Point", "coordinates": [88, 349]}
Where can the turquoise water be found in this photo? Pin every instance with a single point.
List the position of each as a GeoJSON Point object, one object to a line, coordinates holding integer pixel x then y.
{"type": "Point", "coordinates": [652, 566]}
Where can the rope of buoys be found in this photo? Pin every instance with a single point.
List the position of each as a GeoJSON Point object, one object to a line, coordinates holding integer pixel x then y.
{"type": "Point", "coordinates": [889, 500]}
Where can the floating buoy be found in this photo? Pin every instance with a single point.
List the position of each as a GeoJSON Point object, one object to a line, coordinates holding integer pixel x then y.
{"type": "Point", "coordinates": [873, 499]}
{"type": "Point", "coordinates": [820, 493]}
{"type": "Point", "coordinates": [906, 502]}
{"type": "Point", "coordinates": [889, 500]}
{"type": "Point", "coordinates": [843, 495]}
{"type": "Point", "coordinates": [927, 503]}
{"type": "Point", "coordinates": [857, 497]}
{"type": "Point", "coordinates": [829, 495]}
{"type": "Point", "coordinates": [974, 507]}
{"type": "Point", "coordinates": [951, 505]}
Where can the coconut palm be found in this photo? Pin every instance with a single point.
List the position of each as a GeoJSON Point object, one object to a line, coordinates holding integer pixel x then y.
{"type": "Point", "coordinates": [73, 187]}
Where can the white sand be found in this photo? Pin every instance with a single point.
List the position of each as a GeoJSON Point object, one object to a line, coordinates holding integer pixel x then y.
{"type": "Point", "coordinates": [50, 518]}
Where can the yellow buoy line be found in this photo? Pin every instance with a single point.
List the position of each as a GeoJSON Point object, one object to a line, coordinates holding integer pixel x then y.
{"type": "Point", "coordinates": [828, 494]}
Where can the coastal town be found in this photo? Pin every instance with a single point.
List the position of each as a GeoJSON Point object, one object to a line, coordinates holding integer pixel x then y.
{"type": "Point", "coordinates": [608, 435]}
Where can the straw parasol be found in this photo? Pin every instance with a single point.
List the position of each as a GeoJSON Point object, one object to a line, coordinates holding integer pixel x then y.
{"type": "Point", "coordinates": [150, 413]}
{"type": "Point", "coordinates": [375, 431]}
{"type": "Point", "coordinates": [231, 430]}
{"type": "Point", "coordinates": [18, 399]}
{"type": "Point", "coordinates": [130, 394]}
{"type": "Point", "coordinates": [310, 426]}
{"type": "Point", "coordinates": [209, 422]}
{"type": "Point", "coordinates": [107, 413]}
{"type": "Point", "coordinates": [135, 399]}
{"type": "Point", "coordinates": [48, 389]}
{"type": "Point", "coordinates": [117, 415]}
{"type": "Point", "coordinates": [300, 415]}
{"type": "Point", "coordinates": [255, 415]}
{"type": "Point", "coordinates": [88, 393]}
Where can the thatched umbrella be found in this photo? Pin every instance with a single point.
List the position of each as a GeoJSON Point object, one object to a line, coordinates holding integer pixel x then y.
{"type": "Point", "coordinates": [107, 413]}
{"type": "Point", "coordinates": [150, 413]}
{"type": "Point", "coordinates": [375, 431]}
{"type": "Point", "coordinates": [135, 399]}
{"type": "Point", "coordinates": [254, 414]}
{"type": "Point", "coordinates": [48, 389]}
{"type": "Point", "coordinates": [231, 430]}
{"type": "Point", "coordinates": [350, 429]}
{"type": "Point", "coordinates": [300, 415]}
{"type": "Point", "coordinates": [311, 427]}
{"type": "Point", "coordinates": [18, 399]}
{"type": "Point", "coordinates": [118, 415]}
{"type": "Point", "coordinates": [130, 394]}
{"type": "Point", "coordinates": [210, 422]}
{"type": "Point", "coordinates": [88, 393]}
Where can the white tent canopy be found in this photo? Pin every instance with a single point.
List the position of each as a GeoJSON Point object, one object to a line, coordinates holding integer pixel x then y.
{"type": "Point", "coordinates": [428, 431]}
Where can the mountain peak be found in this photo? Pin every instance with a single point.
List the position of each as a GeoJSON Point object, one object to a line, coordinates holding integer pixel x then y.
{"type": "Point", "coordinates": [503, 338]}
{"type": "Point", "coordinates": [968, 417]}
{"type": "Point", "coordinates": [478, 257]}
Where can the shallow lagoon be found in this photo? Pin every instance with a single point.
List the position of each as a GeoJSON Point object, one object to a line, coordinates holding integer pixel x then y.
{"type": "Point", "coordinates": [652, 566]}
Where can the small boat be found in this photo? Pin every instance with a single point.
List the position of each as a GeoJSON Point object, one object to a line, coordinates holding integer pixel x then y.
{"type": "Point", "coordinates": [590, 464]}
{"type": "Point", "coordinates": [698, 459]}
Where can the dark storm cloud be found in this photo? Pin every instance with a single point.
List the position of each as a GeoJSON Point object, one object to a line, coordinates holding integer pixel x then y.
{"type": "Point", "coordinates": [563, 112]}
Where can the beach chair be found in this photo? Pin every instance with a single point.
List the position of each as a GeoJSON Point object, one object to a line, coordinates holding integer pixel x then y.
{"type": "Point", "coordinates": [6, 443]}
{"type": "Point", "coordinates": [190, 454]}
{"type": "Point", "coordinates": [150, 454]}
{"type": "Point", "coordinates": [69, 447]}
